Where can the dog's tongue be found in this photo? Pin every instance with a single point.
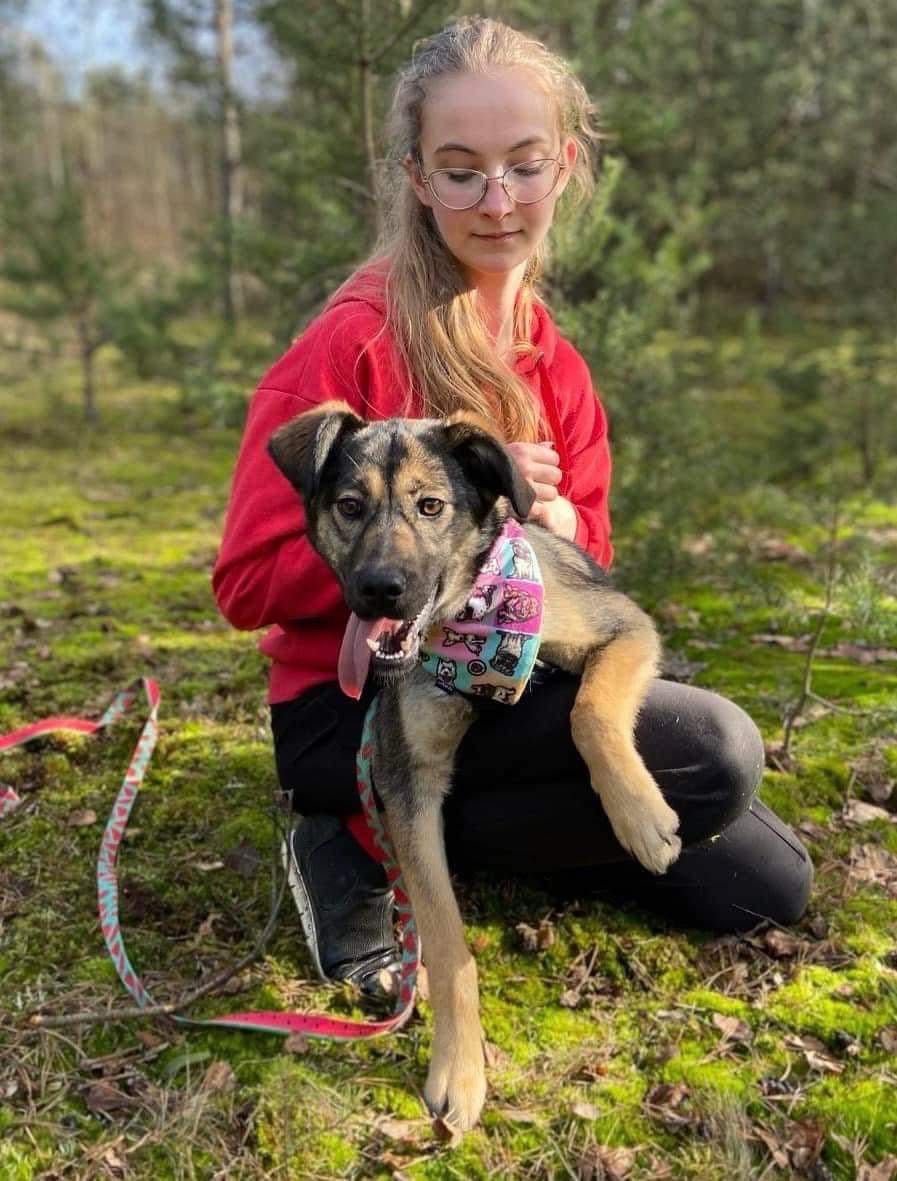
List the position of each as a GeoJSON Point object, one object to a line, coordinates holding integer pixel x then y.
{"type": "Point", "coordinates": [355, 655]}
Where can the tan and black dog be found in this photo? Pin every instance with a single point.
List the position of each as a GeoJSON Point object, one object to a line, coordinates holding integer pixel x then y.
{"type": "Point", "coordinates": [404, 511]}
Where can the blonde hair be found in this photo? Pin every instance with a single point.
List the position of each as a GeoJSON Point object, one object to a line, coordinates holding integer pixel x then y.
{"type": "Point", "coordinates": [431, 312]}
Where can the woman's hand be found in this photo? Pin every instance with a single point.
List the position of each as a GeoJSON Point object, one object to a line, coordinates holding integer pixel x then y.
{"type": "Point", "coordinates": [539, 464]}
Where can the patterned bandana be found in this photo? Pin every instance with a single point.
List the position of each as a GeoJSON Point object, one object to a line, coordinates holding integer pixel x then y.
{"type": "Point", "coordinates": [489, 649]}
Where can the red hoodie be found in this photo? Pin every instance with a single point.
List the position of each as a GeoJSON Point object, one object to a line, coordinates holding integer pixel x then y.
{"type": "Point", "coordinates": [267, 572]}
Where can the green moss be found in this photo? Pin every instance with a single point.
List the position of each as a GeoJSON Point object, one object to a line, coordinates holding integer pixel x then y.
{"type": "Point", "coordinates": [16, 1164]}
{"type": "Point", "coordinates": [136, 541]}
{"type": "Point", "coordinates": [859, 1109]}
{"type": "Point", "coordinates": [809, 1004]}
{"type": "Point", "coordinates": [692, 1066]}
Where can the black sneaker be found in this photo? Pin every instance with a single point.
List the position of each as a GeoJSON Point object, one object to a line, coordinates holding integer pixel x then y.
{"type": "Point", "coordinates": [345, 905]}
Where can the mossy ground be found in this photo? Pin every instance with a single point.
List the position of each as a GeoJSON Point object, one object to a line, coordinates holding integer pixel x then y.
{"type": "Point", "coordinates": [106, 541]}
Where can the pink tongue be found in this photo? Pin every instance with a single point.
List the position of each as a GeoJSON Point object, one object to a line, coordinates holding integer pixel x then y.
{"type": "Point", "coordinates": [355, 655]}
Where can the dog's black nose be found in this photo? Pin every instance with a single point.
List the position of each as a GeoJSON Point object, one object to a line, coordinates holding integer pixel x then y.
{"type": "Point", "coordinates": [382, 589]}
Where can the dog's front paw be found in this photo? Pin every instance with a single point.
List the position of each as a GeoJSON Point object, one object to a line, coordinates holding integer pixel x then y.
{"type": "Point", "coordinates": [646, 826]}
{"type": "Point", "coordinates": [456, 1085]}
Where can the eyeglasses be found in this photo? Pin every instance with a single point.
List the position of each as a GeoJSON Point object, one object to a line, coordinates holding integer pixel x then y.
{"type": "Point", "coordinates": [525, 184]}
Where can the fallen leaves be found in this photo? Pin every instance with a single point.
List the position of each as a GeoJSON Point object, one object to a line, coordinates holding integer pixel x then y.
{"type": "Point", "coordinates": [873, 865]}
{"type": "Point", "coordinates": [798, 1147]}
{"type": "Point", "coordinates": [670, 1103]}
{"type": "Point", "coordinates": [885, 1170]}
{"type": "Point", "coordinates": [536, 938]}
{"type": "Point", "coordinates": [600, 1163]}
{"type": "Point", "coordinates": [102, 1098]}
{"type": "Point", "coordinates": [243, 859]}
{"type": "Point", "coordinates": [859, 812]}
{"type": "Point", "coordinates": [81, 818]}
{"type": "Point", "coordinates": [887, 1039]}
{"type": "Point", "coordinates": [860, 653]}
{"type": "Point", "coordinates": [219, 1077]}
{"type": "Point", "coordinates": [733, 1029]}
{"type": "Point", "coordinates": [586, 1111]}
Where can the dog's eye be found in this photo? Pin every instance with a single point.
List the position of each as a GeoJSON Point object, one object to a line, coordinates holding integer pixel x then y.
{"type": "Point", "coordinates": [349, 506]}
{"type": "Point", "coordinates": [430, 506]}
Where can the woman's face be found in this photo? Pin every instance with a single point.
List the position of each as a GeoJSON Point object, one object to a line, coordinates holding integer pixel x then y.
{"type": "Point", "coordinates": [490, 122]}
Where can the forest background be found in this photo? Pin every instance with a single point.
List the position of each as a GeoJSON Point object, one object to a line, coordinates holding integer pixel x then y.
{"type": "Point", "coordinates": [167, 227]}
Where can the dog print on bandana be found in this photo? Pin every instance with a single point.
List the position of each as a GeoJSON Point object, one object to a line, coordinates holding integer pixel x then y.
{"type": "Point", "coordinates": [490, 648]}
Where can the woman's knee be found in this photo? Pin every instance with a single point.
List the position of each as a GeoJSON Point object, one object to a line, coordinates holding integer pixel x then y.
{"type": "Point", "coordinates": [723, 766]}
{"type": "Point", "coordinates": [736, 755]}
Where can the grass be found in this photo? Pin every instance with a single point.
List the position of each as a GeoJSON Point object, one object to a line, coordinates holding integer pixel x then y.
{"type": "Point", "coordinates": [106, 542]}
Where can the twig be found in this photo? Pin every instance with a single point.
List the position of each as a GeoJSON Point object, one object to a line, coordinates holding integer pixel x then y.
{"type": "Point", "coordinates": [830, 571]}
{"type": "Point", "coordinates": [39, 1021]}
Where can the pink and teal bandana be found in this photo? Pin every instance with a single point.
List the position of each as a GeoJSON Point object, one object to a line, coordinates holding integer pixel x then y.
{"type": "Point", "coordinates": [489, 649]}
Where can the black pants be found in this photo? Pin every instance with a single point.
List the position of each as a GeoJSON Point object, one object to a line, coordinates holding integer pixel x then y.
{"type": "Point", "coordinates": [521, 801]}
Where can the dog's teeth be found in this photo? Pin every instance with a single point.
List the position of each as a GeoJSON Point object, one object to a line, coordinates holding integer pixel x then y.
{"type": "Point", "coordinates": [373, 645]}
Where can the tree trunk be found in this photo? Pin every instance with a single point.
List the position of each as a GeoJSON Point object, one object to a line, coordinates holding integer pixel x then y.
{"type": "Point", "coordinates": [366, 79]}
{"type": "Point", "coordinates": [231, 179]}
{"type": "Point", "coordinates": [87, 348]}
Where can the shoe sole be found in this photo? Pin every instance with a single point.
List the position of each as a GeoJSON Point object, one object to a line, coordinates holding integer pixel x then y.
{"type": "Point", "coordinates": [303, 905]}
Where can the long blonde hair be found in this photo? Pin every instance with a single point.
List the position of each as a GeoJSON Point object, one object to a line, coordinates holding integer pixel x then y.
{"type": "Point", "coordinates": [431, 312]}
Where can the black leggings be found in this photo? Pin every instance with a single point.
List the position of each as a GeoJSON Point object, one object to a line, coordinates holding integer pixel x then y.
{"type": "Point", "coordinates": [521, 801]}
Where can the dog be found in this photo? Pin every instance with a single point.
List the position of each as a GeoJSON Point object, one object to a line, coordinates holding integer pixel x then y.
{"type": "Point", "coordinates": [405, 512]}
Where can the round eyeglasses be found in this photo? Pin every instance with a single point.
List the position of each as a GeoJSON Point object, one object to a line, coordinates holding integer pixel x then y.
{"type": "Point", "coordinates": [525, 184]}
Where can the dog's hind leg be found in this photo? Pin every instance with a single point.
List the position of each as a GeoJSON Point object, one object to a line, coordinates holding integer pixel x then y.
{"type": "Point", "coordinates": [413, 767]}
{"type": "Point", "coordinates": [614, 682]}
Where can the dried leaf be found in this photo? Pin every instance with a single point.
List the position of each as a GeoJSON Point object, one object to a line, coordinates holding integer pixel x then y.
{"type": "Point", "coordinates": [887, 1038]}
{"type": "Point", "coordinates": [585, 1111]}
{"type": "Point", "coordinates": [206, 927]}
{"type": "Point", "coordinates": [517, 1115]}
{"type": "Point", "coordinates": [396, 1165]}
{"type": "Point", "coordinates": [805, 1143]}
{"type": "Point", "coordinates": [819, 926]}
{"type": "Point", "coordinates": [823, 1063]}
{"type": "Point", "coordinates": [859, 812]}
{"type": "Point", "coordinates": [446, 1132]}
{"type": "Point", "coordinates": [774, 1145]}
{"type": "Point", "coordinates": [296, 1043]}
{"type": "Point", "coordinates": [114, 1164]}
{"type": "Point", "coordinates": [81, 818]}
{"type": "Point", "coordinates": [149, 1040]}
{"type": "Point", "coordinates": [402, 1131]}
{"type": "Point", "coordinates": [664, 1101]}
{"type": "Point", "coordinates": [781, 944]}
{"type": "Point", "coordinates": [243, 859]}
{"type": "Point", "coordinates": [677, 667]}
{"type": "Point", "coordinates": [733, 1029]}
{"type": "Point", "coordinates": [536, 938]}
{"type": "Point", "coordinates": [571, 998]}
{"type": "Point", "coordinates": [885, 1170]}
{"type": "Point", "coordinates": [599, 1163]}
{"type": "Point", "coordinates": [805, 1043]}
{"type": "Point", "coordinates": [617, 1162]}
{"type": "Point", "coordinates": [875, 865]}
{"type": "Point", "coordinates": [103, 1098]}
{"type": "Point", "coordinates": [219, 1077]}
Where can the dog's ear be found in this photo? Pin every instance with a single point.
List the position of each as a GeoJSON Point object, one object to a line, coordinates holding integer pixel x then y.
{"type": "Point", "coordinates": [486, 462]}
{"type": "Point", "coordinates": [301, 447]}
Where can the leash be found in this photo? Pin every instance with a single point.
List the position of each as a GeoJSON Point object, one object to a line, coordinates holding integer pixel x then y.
{"type": "Point", "coordinates": [319, 1025]}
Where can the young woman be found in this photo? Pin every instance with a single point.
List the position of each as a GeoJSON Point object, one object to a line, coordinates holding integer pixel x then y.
{"type": "Point", "coordinates": [489, 129]}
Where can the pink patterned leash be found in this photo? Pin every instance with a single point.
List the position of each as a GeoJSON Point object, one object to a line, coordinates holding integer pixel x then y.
{"type": "Point", "coordinates": [310, 1024]}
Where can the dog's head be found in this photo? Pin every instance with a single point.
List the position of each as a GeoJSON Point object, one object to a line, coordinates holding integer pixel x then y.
{"type": "Point", "coordinates": [403, 511]}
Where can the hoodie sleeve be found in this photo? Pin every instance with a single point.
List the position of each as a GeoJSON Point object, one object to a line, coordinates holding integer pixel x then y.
{"type": "Point", "coordinates": [266, 571]}
{"type": "Point", "coordinates": [584, 424]}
